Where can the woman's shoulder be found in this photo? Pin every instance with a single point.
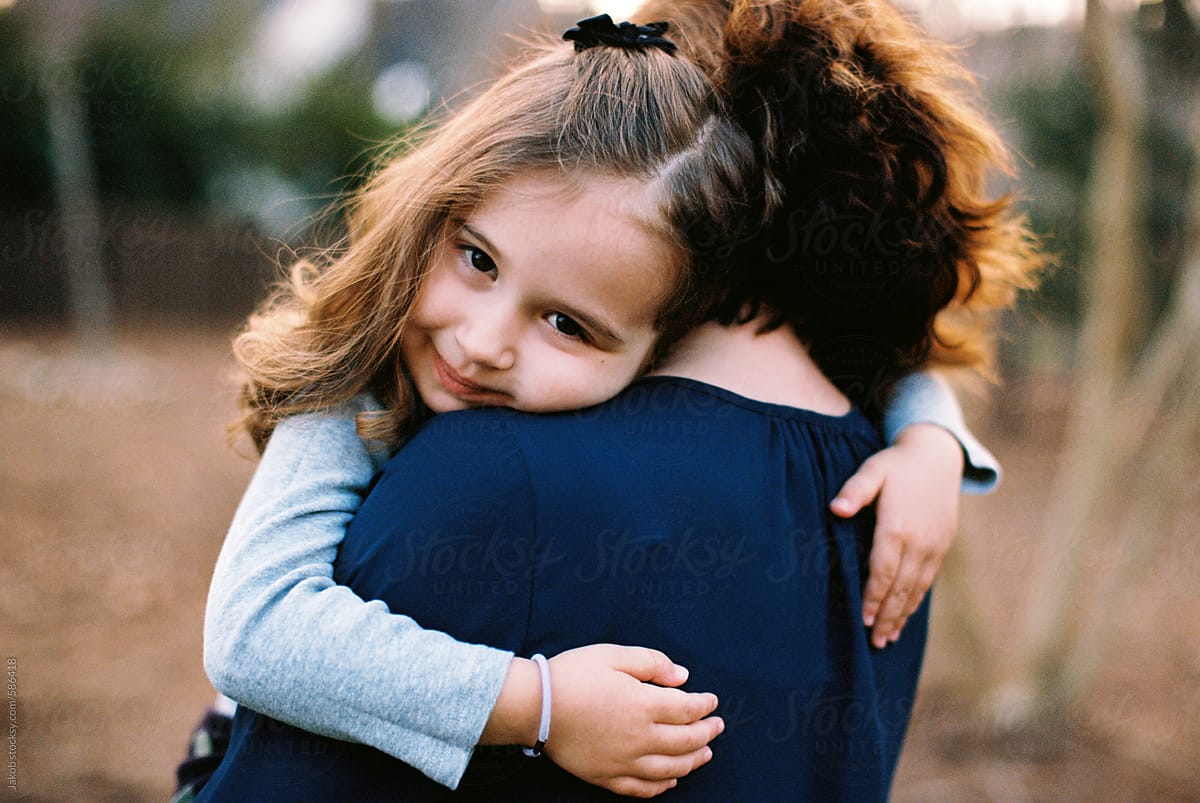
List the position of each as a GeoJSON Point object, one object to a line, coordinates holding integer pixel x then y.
{"type": "Point", "coordinates": [647, 398]}
{"type": "Point", "coordinates": [486, 438]}
{"type": "Point", "coordinates": [703, 398]}
{"type": "Point", "coordinates": [666, 421]}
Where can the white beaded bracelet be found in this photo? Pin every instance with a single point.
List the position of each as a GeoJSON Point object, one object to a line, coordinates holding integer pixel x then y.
{"type": "Point", "coordinates": [544, 724]}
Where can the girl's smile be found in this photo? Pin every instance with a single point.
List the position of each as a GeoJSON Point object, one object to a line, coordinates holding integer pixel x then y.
{"type": "Point", "coordinates": [544, 298]}
{"type": "Point", "coordinates": [455, 383]}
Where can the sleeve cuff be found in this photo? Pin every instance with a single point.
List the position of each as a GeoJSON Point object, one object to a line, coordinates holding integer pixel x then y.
{"type": "Point", "coordinates": [924, 398]}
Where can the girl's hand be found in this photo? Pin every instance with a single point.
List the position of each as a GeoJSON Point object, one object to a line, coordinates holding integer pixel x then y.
{"type": "Point", "coordinates": [915, 485]}
{"type": "Point", "coordinates": [613, 728]}
{"type": "Point", "coordinates": [613, 723]}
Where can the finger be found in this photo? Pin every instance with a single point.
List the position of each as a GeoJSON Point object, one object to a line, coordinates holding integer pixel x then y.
{"type": "Point", "coordinates": [675, 707]}
{"type": "Point", "coordinates": [894, 636]}
{"type": "Point", "coordinates": [636, 787]}
{"type": "Point", "coordinates": [860, 490]}
{"type": "Point", "coordinates": [888, 632]}
{"type": "Point", "coordinates": [651, 666]}
{"type": "Point", "coordinates": [886, 555]}
{"type": "Point", "coordinates": [664, 768]}
{"type": "Point", "coordinates": [924, 581]}
{"type": "Point", "coordinates": [928, 572]}
{"type": "Point", "coordinates": [891, 612]}
{"type": "Point", "coordinates": [680, 740]}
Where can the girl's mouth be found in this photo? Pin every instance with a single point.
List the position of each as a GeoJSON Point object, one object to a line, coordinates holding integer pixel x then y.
{"type": "Point", "coordinates": [456, 383]}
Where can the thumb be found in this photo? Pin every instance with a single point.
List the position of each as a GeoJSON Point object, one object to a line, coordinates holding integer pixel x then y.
{"type": "Point", "coordinates": [860, 490]}
{"type": "Point", "coordinates": [650, 666]}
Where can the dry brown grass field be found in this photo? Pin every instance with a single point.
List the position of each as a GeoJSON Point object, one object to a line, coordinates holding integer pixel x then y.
{"type": "Point", "coordinates": [116, 485]}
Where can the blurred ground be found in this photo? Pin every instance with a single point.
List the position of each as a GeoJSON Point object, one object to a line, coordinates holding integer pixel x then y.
{"type": "Point", "coordinates": [116, 486]}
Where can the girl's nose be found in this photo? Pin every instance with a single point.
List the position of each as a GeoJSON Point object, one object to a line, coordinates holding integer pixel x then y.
{"type": "Point", "coordinates": [488, 339]}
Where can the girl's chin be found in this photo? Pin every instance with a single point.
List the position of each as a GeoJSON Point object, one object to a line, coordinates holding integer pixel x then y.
{"type": "Point", "coordinates": [442, 402]}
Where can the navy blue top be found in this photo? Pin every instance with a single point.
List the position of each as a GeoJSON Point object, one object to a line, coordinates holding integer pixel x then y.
{"type": "Point", "coordinates": [678, 516]}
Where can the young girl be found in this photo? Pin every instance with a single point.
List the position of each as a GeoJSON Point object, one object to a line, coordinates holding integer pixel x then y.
{"type": "Point", "coordinates": [443, 279]}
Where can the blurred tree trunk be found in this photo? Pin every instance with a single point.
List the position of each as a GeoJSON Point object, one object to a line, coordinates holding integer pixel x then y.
{"type": "Point", "coordinates": [1168, 375]}
{"type": "Point", "coordinates": [1120, 406]}
{"type": "Point", "coordinates": [56, 29]}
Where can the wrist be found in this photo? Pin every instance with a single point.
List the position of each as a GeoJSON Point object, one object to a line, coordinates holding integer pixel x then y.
{"type": "Point", "coordinates": [544, 719]}
{"type": "Point", "coordinates": [936, 440]}
{"type": "Point", "coordinates": [517, 713]}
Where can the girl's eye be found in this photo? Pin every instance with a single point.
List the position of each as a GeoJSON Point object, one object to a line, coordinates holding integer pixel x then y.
{"type": "Point", "coordinates": [567, 325]}
{"type": "Point", "coordinates": [479, 260]}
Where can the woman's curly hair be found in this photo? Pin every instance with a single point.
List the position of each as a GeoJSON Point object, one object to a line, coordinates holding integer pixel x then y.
{"type": "Point", "coordinates": [886, 250]}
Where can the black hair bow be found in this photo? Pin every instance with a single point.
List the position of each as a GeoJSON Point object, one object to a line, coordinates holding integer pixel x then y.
{"type": "Point", "coordinates": [601, 30]}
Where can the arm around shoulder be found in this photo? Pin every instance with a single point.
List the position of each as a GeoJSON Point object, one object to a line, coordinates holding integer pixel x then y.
{"type": "Point", "coordinates": [925, 398]}
{"type": "Point", "coordinates": [283, 638]}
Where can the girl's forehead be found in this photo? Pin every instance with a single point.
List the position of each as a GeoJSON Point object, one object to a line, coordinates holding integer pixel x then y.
{"type": "Point", "coordinates": [570, 185]}
{"type": "Point", "coordinates": [603, 210]}
{"type": "Point", "coordinates": [580, 198]}
{"type": "Point", "coordinates": [586, 237]}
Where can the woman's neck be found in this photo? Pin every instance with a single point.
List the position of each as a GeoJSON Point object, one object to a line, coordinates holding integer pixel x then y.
{"type": "Point", "coordinates": [773, 367]}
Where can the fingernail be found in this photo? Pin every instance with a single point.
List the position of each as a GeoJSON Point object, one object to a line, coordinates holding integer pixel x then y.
{"type": "Point", "coordinates": [707, 754]}
{"type": "Point", "coordinates": [869, 620]}
{"type": "Point", "coordinates": [681, 671]}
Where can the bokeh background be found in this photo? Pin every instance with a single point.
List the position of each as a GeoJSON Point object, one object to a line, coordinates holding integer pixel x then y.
{"type": "Point", "coordinates": [161, 159]}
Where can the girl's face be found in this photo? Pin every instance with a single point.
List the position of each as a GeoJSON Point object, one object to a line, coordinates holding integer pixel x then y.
{"type": "Point", "coordinates": [543, 299]}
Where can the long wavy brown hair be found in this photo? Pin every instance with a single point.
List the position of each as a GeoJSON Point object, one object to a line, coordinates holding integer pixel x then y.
{"type": "Point", "coordinates": [333, 330]}
{"type": "Point", "coordinates": [887, 251]}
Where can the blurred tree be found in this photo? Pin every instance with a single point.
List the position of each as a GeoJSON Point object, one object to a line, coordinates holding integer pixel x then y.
{"type": "Point", "coordinates": [178, 121]}
{"type": "Point", "coordinates": [1133, 423]}
{"type": "Point", "coordinates": [56, 30]}
{"type": "Point", "coordinates": [1055, 113]}
{"type": "Point", "coordinates": [1057, 131]}
{"type": "Point", "coordinates": [150, 122]}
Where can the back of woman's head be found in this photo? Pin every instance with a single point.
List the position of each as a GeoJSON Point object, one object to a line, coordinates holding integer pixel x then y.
{"type": "Point", "coordinates": [627, 113]}
{"type": "Point", "coordinates": [885, 248]}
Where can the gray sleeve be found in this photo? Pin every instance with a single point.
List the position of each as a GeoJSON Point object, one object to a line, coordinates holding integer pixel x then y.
{"type": "Point", "coordinates": [282, 638]}
{"type": "Point", "coordinates": [923, 398]}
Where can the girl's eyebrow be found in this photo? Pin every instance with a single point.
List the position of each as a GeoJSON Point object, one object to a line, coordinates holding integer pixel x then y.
{"type": "Point", "coordinates": [604, 331]}
{"type": "Point", "coordinates": [492, 250]}
{"type": "Point", "coordinates": [601, 329]}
